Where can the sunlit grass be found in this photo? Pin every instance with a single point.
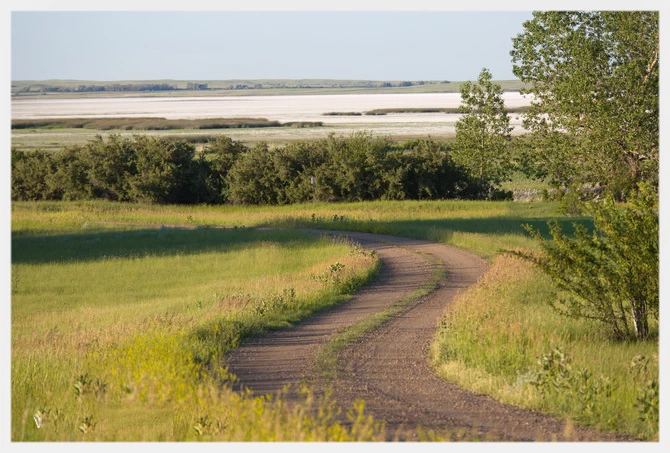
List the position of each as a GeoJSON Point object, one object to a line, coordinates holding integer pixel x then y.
{"type": "Point", "coordinates": [194, 302]}
{"type": "Point", "coordinates": [483, 227]}
{"type": "Point", "coordinates": [111, 323]}
{"type": "Point", "coordinates": [494, 335]}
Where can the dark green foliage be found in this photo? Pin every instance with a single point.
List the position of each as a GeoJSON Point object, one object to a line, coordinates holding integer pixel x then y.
{"type": "Point", "coordinates": [160, 170]}
{"type": "Point", "coordinates": [610, 276]}
{"type": "Point", "coordinates": [109, 165]}
{"type": "Point", "coordinates": [164, 169]}
{"type": "Point", "coordinates": [595, 80]}
{"type": "Point", "coordinates": [253, 179]}
{"type": "Point", "coordinates": [154, 124]}
{"type": "Point", "coordinates": [29, 175]}
{"type": "Point", "coordinates": [69, 180]}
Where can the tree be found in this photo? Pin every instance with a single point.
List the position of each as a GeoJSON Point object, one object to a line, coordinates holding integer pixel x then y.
{"type": "Point", "coordinates": [110, 166]}
{"type": "Point", "coordinates": [30, 171]}
{"type": "Point", "coordinates": [594, 81]}
{"type": "Point", "coordinates": [610, 276]}
{"type": "Point", "coordinates": [221, 154]}
{"type": "Point", "coordinates": [164, 171]}
{"type": "Point", "coordinates": [253, 178]}
{"type": "Point", "coordinates": [483, 133]}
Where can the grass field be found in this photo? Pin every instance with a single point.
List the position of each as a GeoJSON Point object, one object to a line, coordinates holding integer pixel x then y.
{"type": "Point", "coordinates": [120, 324]}
{"type": "Point", "coordinates": [494, 341]}
{"type": "Point", "coordinates": [482, 227]}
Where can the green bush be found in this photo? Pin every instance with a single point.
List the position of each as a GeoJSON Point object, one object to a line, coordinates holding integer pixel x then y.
{"type": "Point", "coordinates": [162, 170]}
{"type": "Point", "coordinates": [610, 276]}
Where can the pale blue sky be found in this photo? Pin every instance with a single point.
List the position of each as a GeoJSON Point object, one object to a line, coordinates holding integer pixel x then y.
{"type": "Point", "coordinates": [442, 45]}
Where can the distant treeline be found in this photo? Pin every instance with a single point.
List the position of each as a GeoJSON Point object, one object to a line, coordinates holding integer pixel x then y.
{"type": "Point", "coordinates": [154, 86]}
{"type": "Point", "coordinates": [113, 87]}
{"type": "Point", "coordinates": [159, 170]}
{"type": "Point", "coordinates": [155, 124]}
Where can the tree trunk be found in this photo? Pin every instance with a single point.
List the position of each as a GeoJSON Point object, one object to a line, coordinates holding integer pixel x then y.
{"type": "Point", "coordinates": [640, 322]}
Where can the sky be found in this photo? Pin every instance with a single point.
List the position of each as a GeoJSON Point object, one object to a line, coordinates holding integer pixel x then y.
{"type": "Point", "coordinates": [219, 45]}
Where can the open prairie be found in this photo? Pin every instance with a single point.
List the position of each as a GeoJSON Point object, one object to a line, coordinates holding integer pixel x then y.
{"type": "Point", "coordinates": [121, 305]}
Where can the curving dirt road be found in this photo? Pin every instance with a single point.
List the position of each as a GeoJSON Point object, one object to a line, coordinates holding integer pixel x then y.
{"type": "Point", "coordinates": [389, 367]}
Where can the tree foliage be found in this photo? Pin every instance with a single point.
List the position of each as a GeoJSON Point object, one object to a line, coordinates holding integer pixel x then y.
{"type": "Point", "coordinates": [158, 170]}
{"type": "Point", "coordinates": [611, 275]}
{"type": "Point", "coordinates": [483, 132]}
{"type": "Point", "coordinates": [594, 81]}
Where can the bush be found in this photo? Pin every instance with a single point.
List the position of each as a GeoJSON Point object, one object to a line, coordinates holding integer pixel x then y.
{"type": "Point", "coordinates": [610, 276]}
{"type": "Point", "coordinates": [29, 173]}
{"type": "Point", "coordinates": [162, 170]}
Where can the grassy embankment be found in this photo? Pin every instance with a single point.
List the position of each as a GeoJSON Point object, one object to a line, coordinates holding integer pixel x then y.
{"type": "Point", "coordinates": [497, 332]}
{"type": "Point", "coordinates": [117, 333]}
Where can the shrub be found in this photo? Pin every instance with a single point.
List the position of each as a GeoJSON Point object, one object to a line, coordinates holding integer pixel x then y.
{"type": "Point", "coordinates": [610, 276]}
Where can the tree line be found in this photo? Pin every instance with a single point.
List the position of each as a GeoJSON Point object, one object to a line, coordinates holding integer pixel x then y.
{"type": "Point", "coordinates": [159, 170]}
{"type": "Point", "coordinates": [111, 87]}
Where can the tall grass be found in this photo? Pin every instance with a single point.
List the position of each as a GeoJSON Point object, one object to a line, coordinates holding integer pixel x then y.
{"type": "Point", "coordinates": [112, 326]}
{"type": "Point", "coordinates": [501, 338]}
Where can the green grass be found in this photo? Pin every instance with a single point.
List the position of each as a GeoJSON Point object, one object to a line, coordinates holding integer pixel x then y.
{"type": "Point", "coordinates": [494, 337]}
{"type": "Point", "coordinates": [491, 342]}
{"type": "Point", "coordinates": [483, 227]}
{"type": "Point", "coordinates": [112, 324]}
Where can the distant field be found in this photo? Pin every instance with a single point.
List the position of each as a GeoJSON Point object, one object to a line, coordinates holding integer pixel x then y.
{"type": "Point", "coordinates": [246, 87]}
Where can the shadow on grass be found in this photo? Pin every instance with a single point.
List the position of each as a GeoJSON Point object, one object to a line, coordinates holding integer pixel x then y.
{"type": "Point", "coordinates": [421, 229]}
{"type": "Point", "coordinates": [143, 242]}
{"type": "Point", "coordinates": [172, 241]}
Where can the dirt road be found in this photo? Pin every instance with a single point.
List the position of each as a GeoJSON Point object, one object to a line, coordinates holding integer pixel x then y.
{"type": "Point", "coordinates": [389, 367]}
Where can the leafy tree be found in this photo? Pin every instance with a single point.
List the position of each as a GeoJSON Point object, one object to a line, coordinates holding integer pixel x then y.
{"type": "Point", "coordinates": [357, 164]}
{"type": "Point", "coordinates": [610, 276]}
{"type": "Point", "coordinates": [483, 133]}
{"type": "Point", "coordinates": [30, 171]}
{"type": "Point", "coordinates": [69, 179]}
{"type": "Point", "coordinates": [594, 81]}
{"type": "Point", "coordinates": [253, 179]}
{"type": "Point", "coordinates": [296, 164]}
{"type": "Point", "coordinates": [110, 165]}
{"type": "Point", "coordinates": [221, 154]}
{"type": "Point", "coordinates": [164, 170]}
